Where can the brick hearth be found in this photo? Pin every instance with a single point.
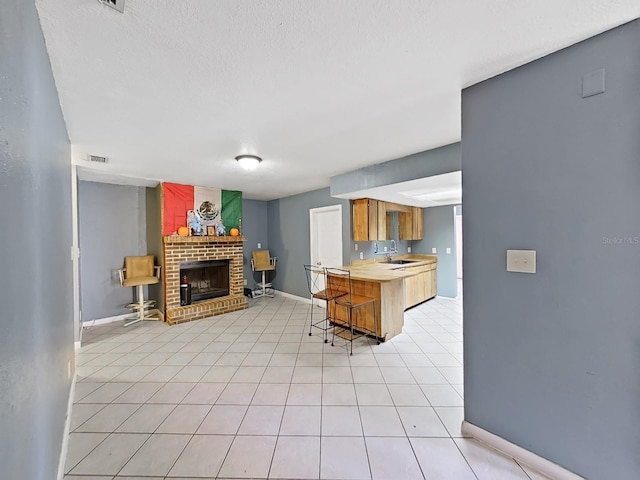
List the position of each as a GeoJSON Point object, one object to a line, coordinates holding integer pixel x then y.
{"type": "Point", "coordinates": [188, 249]}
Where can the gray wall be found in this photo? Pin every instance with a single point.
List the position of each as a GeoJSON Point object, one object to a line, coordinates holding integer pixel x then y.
{"type": "Point", "coordinates": [153, 201]}
{"type": "Point", "coordinates": [419, 165]}
{"type": "Point", "coordinates": [36, 339]}
{"type": "Point", "coordinates": [255, 229]}
{"type": "Point", "coordinates": [289, 236]}
{"type": "Point", "coordinates": [552, 359]}
{"type": "Point", "coordinates": [439, 232]}
{"type": "Point", "coordinates": [112, 225]}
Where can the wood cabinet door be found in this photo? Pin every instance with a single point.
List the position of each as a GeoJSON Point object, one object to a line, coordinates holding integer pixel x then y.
{"type": "Point", "coordinates": [417, 231]}
{"type": "Point", "coordinates": [405, 225]}
{"type": "Point", "coordinates": [433, 283]}
{"type": "Point", "coordinates": [382, 221]}
{"type": "Point", "coordinates": [373, 219]}
{"type": "Point", "coordinates": [360, 220]}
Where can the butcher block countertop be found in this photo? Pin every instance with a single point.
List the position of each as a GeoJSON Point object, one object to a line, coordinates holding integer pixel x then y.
{"type": "Point", "coordinates": [377, 270]}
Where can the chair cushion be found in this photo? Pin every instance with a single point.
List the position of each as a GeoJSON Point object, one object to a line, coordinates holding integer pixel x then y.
{"type": "Point", "coordinates": [262, 260]}
{"type": "Point", "coordinates": [138, 267]}
{"type": "Point", "coordinates": [134, 282]}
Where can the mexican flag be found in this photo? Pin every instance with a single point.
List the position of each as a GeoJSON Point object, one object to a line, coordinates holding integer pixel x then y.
{"type": "Point", "coordinates": [211, 206]}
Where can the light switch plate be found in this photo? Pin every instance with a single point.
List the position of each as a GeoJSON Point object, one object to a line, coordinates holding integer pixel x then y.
{"type": "Point", "coordinates": [408, 249]}
{"type": "Point", "coordinates": [361, 255]}
{"type": "Point", "coordinates": [521, 261]}
{"type": "Point", "coordinates": [259, 245]}
{"type": "Point", "coordinates": [433, 250]}
{"type": "Point", "coordinates": [448, 250]}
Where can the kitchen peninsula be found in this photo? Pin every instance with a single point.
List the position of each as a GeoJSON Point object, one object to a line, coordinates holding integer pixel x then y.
{"type": "Point", "coordinates": [408, 280]}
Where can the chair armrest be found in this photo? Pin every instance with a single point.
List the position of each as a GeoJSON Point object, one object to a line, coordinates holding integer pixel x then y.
{"type": "Point", "coordinates": [158, 268]}
{"type": "Point", "coordinates": [121, 275]}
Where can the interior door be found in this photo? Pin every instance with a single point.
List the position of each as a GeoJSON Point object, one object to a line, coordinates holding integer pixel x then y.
{"type": "Point", "coordinates": [325, 238]}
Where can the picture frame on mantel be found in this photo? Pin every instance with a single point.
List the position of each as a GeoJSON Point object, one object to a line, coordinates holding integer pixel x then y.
{"type": "Point", "coordinates": [211, 230]}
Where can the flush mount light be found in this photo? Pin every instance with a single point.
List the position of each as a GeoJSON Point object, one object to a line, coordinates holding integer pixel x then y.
{"type": "Point", "coordinates": [248, 162]}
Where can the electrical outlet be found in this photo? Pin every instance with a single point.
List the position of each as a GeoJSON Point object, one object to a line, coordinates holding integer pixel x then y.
{"type": "Point", "coordinates": [408, 249]}
{"type": "Point", "coordinates": [385, 249]}
{"type": "Point", "coordinates": [361, 255]}
{"type": "Point", "coordinates": [245, 282]}
{"type": "Point", "coordinates": [448, 250]}
{"type": "Point", "coordinates": [355, 245]}
{"type": "Point", "coordinates": [433, 250]}
{"type": "Point", "coordinates": [259, 245]}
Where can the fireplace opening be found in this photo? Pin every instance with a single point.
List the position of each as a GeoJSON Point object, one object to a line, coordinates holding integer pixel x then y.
{"type": "Point", "coordinates": [208, 279]}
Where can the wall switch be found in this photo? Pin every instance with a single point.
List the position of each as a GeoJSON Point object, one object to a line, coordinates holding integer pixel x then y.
{"type": "Point", "coordinates": [259, 245]}
{"type": "Point", "coordinates": [408, 249]}
{"type": "Point", "coordinates": [433, 250]}
{"type": "Point", "coordinates": [245, 282]}
{"type": "Point", "coordinates": [385, 249]}
{"type": "Point", "coordinates": [448, 250]}
{"type": "Point", "coordinates": [361, 255]}
{"type": "Point", "coordinates": [521, 261]}
{"type": "Point", "coordinates": [355, 245]}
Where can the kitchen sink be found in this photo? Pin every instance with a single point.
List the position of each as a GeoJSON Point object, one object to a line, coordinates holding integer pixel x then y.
{"type": "Point", "coordinates": [401, 262]}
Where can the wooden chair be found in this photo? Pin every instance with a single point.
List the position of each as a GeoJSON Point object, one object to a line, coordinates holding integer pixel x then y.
{"type": "Point", "coordinates": [262, 262]}
{"type": "Point", "coordinates": [138, 272]}
{"type": "Point", "coordinates": [340, 288]}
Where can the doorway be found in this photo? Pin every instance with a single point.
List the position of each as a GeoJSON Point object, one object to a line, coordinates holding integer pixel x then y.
{"type": "Point", "coordinates": [458, 228]}
{"type": "Point", "coordinates": [325, 238]}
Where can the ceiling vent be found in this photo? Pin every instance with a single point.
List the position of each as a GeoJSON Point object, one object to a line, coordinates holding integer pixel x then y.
{"type": "Point", "coordinates": [115, 4]}
{"type": "Point", "coordinates": [97, 159]}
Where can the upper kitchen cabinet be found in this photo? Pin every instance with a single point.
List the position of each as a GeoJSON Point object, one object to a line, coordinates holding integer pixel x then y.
{"type": "Point", "coordinates": [410, 226]}
{"type": "Point", "coordinates": [365, 220]}
{"type": "Point", "coordinates": [373, 220]}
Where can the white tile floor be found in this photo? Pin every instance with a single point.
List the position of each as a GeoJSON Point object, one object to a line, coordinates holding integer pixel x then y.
{"type": "Point", "coordinates": [251, 395]}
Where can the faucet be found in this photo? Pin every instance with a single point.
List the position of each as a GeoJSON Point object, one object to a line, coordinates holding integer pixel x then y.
{"type": "Point", "coordinates": [392, 249]}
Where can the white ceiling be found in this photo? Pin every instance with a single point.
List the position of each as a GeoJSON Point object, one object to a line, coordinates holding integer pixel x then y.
{"type": "Point", "coordinates": [174, 90]}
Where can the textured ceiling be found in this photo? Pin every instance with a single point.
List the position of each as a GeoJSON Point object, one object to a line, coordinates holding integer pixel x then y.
{"type": "Point", "coordinates": [174, 90]}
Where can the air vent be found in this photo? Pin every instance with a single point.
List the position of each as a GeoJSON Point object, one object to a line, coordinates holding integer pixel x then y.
{"type": "Point", "coordinates": [115, 4]}
{"type": "Point", "coordinates": [97, 159]}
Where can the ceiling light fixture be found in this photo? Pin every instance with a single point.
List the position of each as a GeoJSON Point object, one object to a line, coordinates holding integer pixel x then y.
{"type": "Point", "coordinates": [248, 162]}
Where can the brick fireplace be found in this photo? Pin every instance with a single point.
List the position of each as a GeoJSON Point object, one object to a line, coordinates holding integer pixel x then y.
{"type": "Point", "coordinates": [179, 250]}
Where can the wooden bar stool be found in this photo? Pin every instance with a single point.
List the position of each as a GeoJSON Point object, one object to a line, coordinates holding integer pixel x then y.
{"type": "Point", "coordinates": [340, 289]}
{"type": "Point", "coordinates": [316, 282]}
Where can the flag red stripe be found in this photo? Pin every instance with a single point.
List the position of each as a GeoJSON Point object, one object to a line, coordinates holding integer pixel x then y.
{"type": "Point", "coordinates": [178, 199]}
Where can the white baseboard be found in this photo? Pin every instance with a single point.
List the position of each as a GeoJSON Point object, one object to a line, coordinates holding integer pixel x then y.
{"type": "Point", "coordinates": [534, 461]}
{"type": "Point", "coordinates": [67, 428]}
{"type": "Point", "coordinates": [292, 297]}
{"type": "Point", "coordinates": [117, 318]}
{"type": "Point", "coordinates": [105, 320]}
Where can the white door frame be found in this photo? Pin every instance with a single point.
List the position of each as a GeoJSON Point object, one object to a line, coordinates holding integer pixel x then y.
{"type": "Point", "coordinates": [312, 238]}
{"type": "Point", "coordinates": [313, 260]}
{"type": "Point", "coordinates": [459, 239]}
